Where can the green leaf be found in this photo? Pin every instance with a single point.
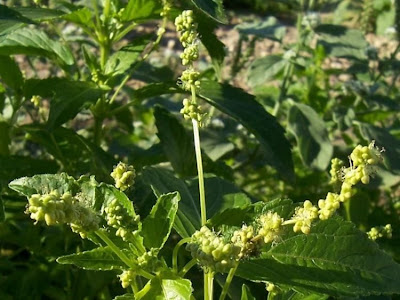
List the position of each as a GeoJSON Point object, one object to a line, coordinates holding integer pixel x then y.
{"type": "Point", "coordinates": [32, 41]}
{"type": "Point", "coordinates": [141, 10]}
{"type": "Point", "coordinates": [294, 295]}
{"type": "Point", "coordinates": [311, 135]}
{"type": "Point", "coordinates": [44, 184]}
{"type": "Point", "coordinates": [122, 60]}
{"type": "Point", "coordinates": [158, 224]}
{"type": "Point", "coordinates": [67, 97]}
{"type": "Point", "coordinates": [81, 17]}
{"type": "Point", "coordinates": [111, 193]}
{"type": "Point", "coordinates": [246, 293]}
{"type": "Point", "coordinates": [245, 109]}
{"type": "Point", "coordinates": [11, 19]}
{"type": "Point", "coordinates": [339, 41]}
{"type": "Point", "coordinates": [269, 29]}
{"type": "Point", "coordinates": [5, 140]}
{"type": "Point", "coordinates": [335, 259]}
{"type": "Point", "coordinates": [10, 73]}
{"type": "Point", "coordinates": [176, 143]}
{"type": "Point", "coordinates": [165, 288]}
{"type": "Point", "coordinates": [100, 259]}
{"type": "Point", "coordinates": [383, 139]}
{"type": "Point", "coordinates": [262, 70]}
{"type": "Point", "coordinates": [212, 8]}
{"type": "Point", "coordinates": [15, 166]}
{"type": "Point", "coordinates": [187, 220]}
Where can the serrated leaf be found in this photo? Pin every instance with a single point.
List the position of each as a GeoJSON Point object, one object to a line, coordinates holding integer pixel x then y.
{"type": "Point", "coordinates": [140, 10]}
{"type": "Point", "coordinates": [294, 295]}
{"type": "Point", "coordinates": [262, 70]}
{"type": "Point", "coordinates": [212, 8]}
{"type": "Point", "coordinates": [15, 166]}
{"type": "Point", "coordinates": [269, 29]}
{"type": "Point", "coordinates": [311, 135]}
{"type": "Point", "coordinates": [100, 259]}
{"type": "Point", "coordinates": [158, 224]}
{"type": "Point", "coordinates": [165, 288]}
{"type": "Point", "coordinates": [82, 17]}
{"type": "Point", "coordinates": [111, 193]}
{"type": "Point", "coordinates": [245, 109]}
{"type": "Point", "coordinates": [383, 139]}
{"type": "Point", "coordinates": [340, 41]}
{"type": "Point", "coordinates": [335, 259]}
{"type": "Point", "coordinates": [122, 60]}
{"type": "Point", "coordinates": [32, 41]}
{"type": "Point", "coordinates": [10, 73]}
{"type": "Point", "coordinates": [44, 184]}
{"type": "Point", "coordinates": [67, 97]}
{"type": "Point", "coordinates": [176, 144]}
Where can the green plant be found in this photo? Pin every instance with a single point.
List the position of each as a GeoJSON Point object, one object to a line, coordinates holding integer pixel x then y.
{"type": "Point", "coordinates": [61, 136]}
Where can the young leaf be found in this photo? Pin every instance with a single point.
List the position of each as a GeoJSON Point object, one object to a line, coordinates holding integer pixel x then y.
{"type": "Point", "coordinates": [140, 10]}
{"type": "Point", "coordinates": [264, 69]}
{"type": "Point", "coordinates": [187, 220]}
{"type": "Point", "coordinates": [32, 41]}
{"type": "Point", "coordinates": [100, 259]}
{"type": "Point", "coordinates": [246, 293]}
{"type": "Point", "coordinates": [268, 29]}
{"type": "Point", "coordinates": [67, 97]}
{"type": "Point", "coordinates": [44, 184]}
{"type": "Point", "coordinates": [335, 259]}
{"type": "Point", "coordinates": [111, 193]}
{"type": "Point", "coordinates": [212, 8]}
{"type": "Point", "coordinates": [122, 60]}
{"type": "Point", "coordinates": [158, 224]}
{"type": "Point", "coordinates": [244, 108]}
{"type": "Point", "coordinates": [176, 143]}
{"type": "Point", "coordinates": [166, 288]}
{"type": "Point", "coordinates": [10, 73]}
{"type": "Point", "coordinates": [311, 135]}
{"type": "Point", "coordinates": [81, 17]}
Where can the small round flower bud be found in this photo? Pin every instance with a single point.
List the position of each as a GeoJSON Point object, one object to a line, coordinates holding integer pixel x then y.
{"type": "Point", "coordinates": [124, 176]}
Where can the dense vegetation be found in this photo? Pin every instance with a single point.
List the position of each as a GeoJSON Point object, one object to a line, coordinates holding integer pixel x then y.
{"type": "Point", "coordinates": [136, 168]}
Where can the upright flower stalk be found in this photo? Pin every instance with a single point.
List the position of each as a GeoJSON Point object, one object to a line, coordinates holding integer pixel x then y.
{"type": "Point", "coordinates": [187, 29]}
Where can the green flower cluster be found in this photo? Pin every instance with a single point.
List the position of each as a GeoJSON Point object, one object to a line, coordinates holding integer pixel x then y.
{"type": "Point", "coordinates": [118, 217]}
{"type": "Point", "coordinates": [270, 226]}
{"type": "Point", "coordinates": [212, 252]}
{"type": "Point", "coordinates": [54, 208]}
{"type": "Point", "coordinates": [336, 171]}
{"type": "Point", "coordinates": [149, 260]}
{"type": "Point", "coordinates": [362, 166]}
{"type": "Point", "coordinates": [379, 232]}
{"type": "Point", "coordinates": [124, 176]}
{"type": "Point", "coordinates": [303, 217]}
{"type": "Point", "coordinates": [127, 277]}
{"type": "Point", "coordinates": [191, 110]}
{"type": "Point", "coordinates": [244, 239]}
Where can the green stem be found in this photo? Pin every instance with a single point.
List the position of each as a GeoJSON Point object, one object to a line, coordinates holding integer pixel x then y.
{"type": "Point", "coordinates": [228, 281]}
{"type": "Point", "coordinates": [187, 267]}
{"type": "Point", "coordinates": [134, 286]}
{"type": "Point", "coordinates": [175, 253]}
{"type": "Point", "coordinates": [208, 285]}
{"type": "Point", "coordinates": [122, 255]}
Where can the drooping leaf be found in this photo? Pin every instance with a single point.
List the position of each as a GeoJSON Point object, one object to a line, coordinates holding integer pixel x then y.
{"type": "Point", "coordinates": [187, 220]}
{"type": "Point", "coordinates": [262, 70]}
{"type": "Point", "coordinates": [67, 97]}
{"type": "Point", "coordinates": [340, 41]}
{"type": "Point", "coordinates": [100, 259]}
{"type": "Point", "coordinates": [176, 143]}
{"type": "Point", "coordinates": [335, 259]}
{"type": "Point", "coordinates": [158, 224]}
{"type": "Point", "coordinates": [212, 8]}
{"type": "Point", "coordinates": [166, 288]}
{"type": "Point", "coordinates": [31, 41]}
{"type": "Point", "coordinates": [244, 108]}
{"type": "Point", "coordinates": [10, 73]}
{"type": "Point", "coordinates": [311, 135]}
{"type": "Point", "coordinates": [44, 184]}
{"type": "Point", "coordinates": [269, 29]}
{"type": "Point", "coordinates": [17, 166]}
{"type": "Point", "coordinates": [122, 60]}
{"type": "Point", "coordinates": [246, 293]}
{"type": "Point", "coordinates": [383, 139]}
{"type": "Point", "coordinates": [140, 10]}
